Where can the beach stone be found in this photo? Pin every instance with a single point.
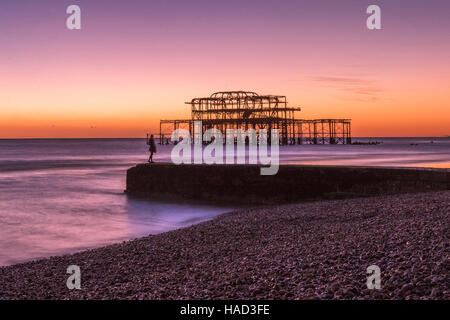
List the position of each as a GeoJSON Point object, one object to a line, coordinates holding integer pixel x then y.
{"type": "Point", "coordinates": [312, 250]}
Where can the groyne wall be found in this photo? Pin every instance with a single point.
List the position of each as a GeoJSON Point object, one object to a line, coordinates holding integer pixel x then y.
{"type": "Point", "coordinates": [293, 183]}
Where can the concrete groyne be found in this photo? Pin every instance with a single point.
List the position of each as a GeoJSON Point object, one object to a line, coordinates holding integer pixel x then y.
{"type": "Point", "coordinates": [293, 183]}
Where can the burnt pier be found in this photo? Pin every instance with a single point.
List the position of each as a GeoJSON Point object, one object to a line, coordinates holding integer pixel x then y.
{"type": "Point", "coordinates": [248, 110]}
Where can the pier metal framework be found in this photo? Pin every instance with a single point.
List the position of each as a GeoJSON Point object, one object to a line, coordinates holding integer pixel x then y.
{"type": "Point", "coordinates": [249, 110]}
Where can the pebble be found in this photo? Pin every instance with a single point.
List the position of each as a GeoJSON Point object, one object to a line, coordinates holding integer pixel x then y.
{"type": "Point", "coordinates": [314, 250]}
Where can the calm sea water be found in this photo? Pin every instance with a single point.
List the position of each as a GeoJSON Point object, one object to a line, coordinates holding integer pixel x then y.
{"type": "Point", "coordinates": [62, 196]}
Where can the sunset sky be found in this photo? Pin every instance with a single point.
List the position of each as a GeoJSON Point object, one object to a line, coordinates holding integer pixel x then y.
{"type": "Point", "coordinates": [137, 61]}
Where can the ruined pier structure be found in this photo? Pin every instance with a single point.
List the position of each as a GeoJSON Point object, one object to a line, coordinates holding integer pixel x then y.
{"type": "Point", "coordinates": [249, 110]}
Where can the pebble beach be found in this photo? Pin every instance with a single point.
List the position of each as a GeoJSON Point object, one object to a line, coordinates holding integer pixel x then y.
{"type": "Point", "coordinates": [313, 250]}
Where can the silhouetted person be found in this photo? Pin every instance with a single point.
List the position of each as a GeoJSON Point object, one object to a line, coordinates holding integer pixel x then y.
{"type": "Point", "coordinates": [152, 148]}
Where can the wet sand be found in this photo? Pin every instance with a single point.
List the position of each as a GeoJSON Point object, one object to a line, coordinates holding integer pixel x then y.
{"type": "Point", "coordinates": [315, 250]}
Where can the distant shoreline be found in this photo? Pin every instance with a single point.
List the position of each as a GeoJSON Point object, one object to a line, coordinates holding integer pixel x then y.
{"type": "Point", "coordinates": [143, 138]}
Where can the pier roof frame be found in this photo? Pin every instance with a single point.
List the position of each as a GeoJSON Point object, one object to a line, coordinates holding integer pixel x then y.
{"type": "Point", "coordinates": [247, 109]}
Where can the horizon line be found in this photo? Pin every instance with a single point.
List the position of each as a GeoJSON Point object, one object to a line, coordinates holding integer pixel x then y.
{"type": "Point", "coordinates": [117, 138]}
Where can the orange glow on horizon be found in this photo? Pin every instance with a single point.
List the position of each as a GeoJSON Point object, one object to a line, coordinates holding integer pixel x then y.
{"type": "Point", "coordinates": [119, 81]}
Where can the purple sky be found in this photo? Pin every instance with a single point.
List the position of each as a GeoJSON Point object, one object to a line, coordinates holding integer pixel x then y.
{"type": "Point", "coordinates": [136, 61]}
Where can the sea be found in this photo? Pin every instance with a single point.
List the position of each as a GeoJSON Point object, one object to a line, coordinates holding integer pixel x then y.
{"type": "Point", "coordinates": [60, 196]}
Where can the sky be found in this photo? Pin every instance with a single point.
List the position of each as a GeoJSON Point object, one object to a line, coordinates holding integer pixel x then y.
{"type": "Point", "coordinates": [135, 62]}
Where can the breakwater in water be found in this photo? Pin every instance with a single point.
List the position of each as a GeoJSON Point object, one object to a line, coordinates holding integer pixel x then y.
{"type": "Point", "coordinates": [293, 183]}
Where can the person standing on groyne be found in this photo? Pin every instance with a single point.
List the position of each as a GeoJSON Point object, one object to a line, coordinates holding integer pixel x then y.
{"type": "Point", "coordinates": [152, 148]}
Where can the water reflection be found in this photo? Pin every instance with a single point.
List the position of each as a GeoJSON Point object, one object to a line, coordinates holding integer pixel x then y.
{"type": "Point", "coordinates": [61, 196]}
{"type": "Point", "coordinates": [50, 212]}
